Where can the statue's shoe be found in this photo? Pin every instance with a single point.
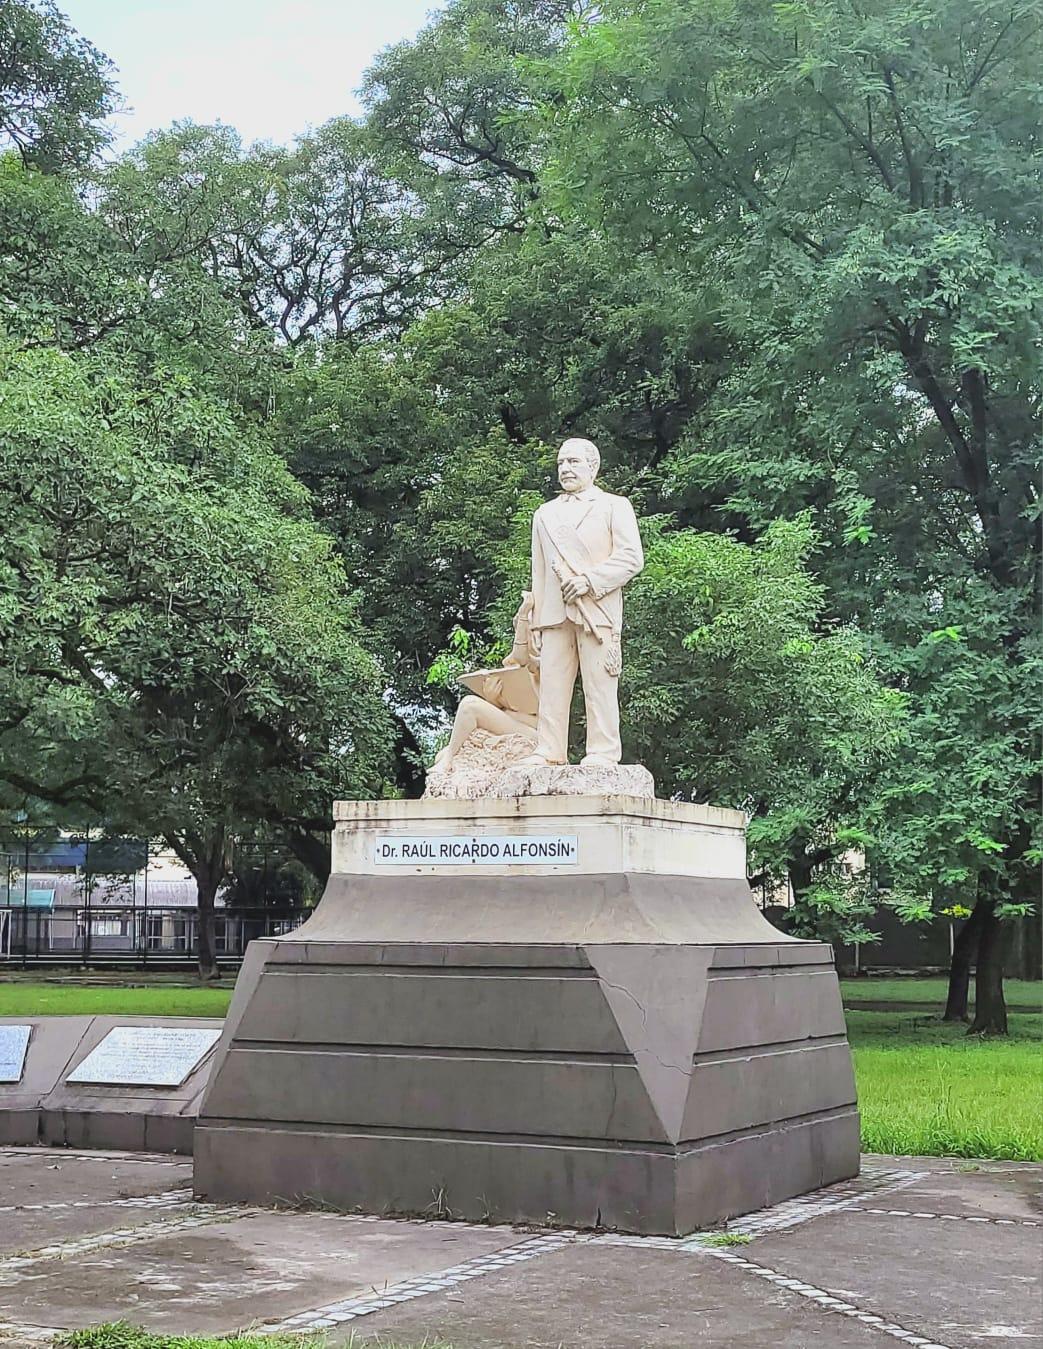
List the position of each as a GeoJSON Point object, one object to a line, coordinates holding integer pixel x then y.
{"type": "Point", "coordinates": [597, 761]}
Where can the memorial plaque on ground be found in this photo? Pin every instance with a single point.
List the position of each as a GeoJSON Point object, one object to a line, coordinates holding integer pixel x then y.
{"type": "Point", "coordinates": [145, 1056]}
{"type": "Point", "coordinates": [14, 1041]}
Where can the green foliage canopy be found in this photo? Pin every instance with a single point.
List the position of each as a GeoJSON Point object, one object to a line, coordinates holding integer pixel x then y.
{"type": "Point", "coordinates": [177, 635]}
{"type": "Point", "coordinates": [55, 87]}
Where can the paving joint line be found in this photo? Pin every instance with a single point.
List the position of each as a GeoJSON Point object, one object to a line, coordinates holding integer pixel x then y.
{"type": "Point", "coordinates": [953, 1217]}
{"type": "Point", "coordinates": [198, 1215]}
{"type": "Point", "coordinates": [829, 1303]}
{"type": "Point", "coordinates": [780, 1217]}
{"type": "Point", "coordinates": [166, 1199]}
{"type": "Point", "coordinates": [102, 1155]}
{"type": "Point", "coordinates": [834, 1199]}
{"type": "Point", "coordinates": [30, 1334]}
{"type": "Point", "coordinates": [332, 1314]}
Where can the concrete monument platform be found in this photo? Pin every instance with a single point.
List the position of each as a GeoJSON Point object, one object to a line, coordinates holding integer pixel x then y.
{"type": "Point", "coordinates": [534, 1009]}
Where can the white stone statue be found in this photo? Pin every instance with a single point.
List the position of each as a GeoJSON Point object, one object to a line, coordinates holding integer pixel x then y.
{"type": "Point", "coordinates": [585, 547]}
{"type": "Point", "coordinates": [510, 734]}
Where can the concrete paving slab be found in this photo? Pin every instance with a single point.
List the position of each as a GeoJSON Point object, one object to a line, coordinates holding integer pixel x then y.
{"type": "Point", "coordinates": [914, 1247]}
{"type": "Point", "coordinates": [39, 1175]}
{"type": "Point", "coordinates": [49, 1195]}
{"type": "Point", "coordinates": [27, 1229]}
{"type": "Point", "coordinates": [220, 1276]}
{"type": "Point", "coordinates": [959, 1281]}
{"type": "Point", "coordinates": [605, 1297]}
{"type": "Point", "coordinates": [974, 1189]}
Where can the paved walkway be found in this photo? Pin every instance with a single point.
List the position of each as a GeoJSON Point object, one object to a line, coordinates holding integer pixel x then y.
{"type": "Point", "coordinates": [918, 1252]}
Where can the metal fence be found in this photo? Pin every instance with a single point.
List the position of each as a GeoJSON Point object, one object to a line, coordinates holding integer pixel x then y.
{"type": "Point", "coordinates": [148, 936]}
{"type": "Point", "coordinates": [81, 898]}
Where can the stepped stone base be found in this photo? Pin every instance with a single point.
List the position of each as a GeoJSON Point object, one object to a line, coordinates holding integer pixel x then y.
{"type": "Point", "coordinates": [609, 1046]}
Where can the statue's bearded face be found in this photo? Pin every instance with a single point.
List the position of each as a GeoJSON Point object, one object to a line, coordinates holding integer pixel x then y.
{"type": "Point", "coordinates": [575, 471]}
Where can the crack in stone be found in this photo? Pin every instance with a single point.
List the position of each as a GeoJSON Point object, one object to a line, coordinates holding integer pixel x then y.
{"type": "Point", "coordinates": [644, 1049]}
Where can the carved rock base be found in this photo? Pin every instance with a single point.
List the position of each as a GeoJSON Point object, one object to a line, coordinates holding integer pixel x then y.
{"type": "Point", "coordinates": [478, 766]}
{"type": "Point", "coordinates": [624, 779]}
{"type": "Point", "coordinates": [486, 768]}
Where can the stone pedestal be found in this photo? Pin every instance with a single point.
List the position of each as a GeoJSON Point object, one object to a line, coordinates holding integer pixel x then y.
{"type": "Point", "coordinates": [563, 1009]}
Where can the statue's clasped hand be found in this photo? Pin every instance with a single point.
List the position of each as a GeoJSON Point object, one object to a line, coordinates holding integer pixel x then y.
{"type": "Point", "coordinates": [574, 587]}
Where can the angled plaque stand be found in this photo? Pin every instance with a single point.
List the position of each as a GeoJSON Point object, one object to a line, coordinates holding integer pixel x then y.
{"type": "Point", "coordinates": [610, 1033]}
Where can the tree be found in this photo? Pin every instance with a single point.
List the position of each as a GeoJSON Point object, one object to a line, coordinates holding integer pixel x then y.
{"type": "Point", "coordinates": [860, 189]}
{"type": "Point", "coordinates": [134, 300]}
{"type": "Point", "coordinates": [418, 495]}
{"type": "Point", "coordinates": [311, 241]}
{"type": "Point", "coordinates": [450, 107]}
{"type": "Point", "coordinates": [561, 334]}
{"type": "Point", "coordinates": [64, 280]}
{"type": "Point", "coordinates": [55, 88]}
{"type": "Point", "coordinates": [181, 654]}
{"type": "Point", "coordinates": [963, 784]}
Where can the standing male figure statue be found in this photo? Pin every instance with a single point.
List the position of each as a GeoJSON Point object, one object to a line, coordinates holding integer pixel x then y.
{"type": "Point", "coordinates": [585, 547]}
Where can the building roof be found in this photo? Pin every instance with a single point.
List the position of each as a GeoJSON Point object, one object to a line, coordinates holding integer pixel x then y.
{"type": "Point", "coordinates": [58, 891]}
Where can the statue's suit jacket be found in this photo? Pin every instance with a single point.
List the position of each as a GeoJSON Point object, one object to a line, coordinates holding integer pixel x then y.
{"type": "Point", "coordinates": [603, 534]}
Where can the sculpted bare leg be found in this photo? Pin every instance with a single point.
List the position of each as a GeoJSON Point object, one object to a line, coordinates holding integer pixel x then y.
{"type": "Point", "coordinates": [476, 714]}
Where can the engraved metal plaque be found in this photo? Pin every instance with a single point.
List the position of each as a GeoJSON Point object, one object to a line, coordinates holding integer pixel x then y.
{"type": "Point", "coordinates": [14, 1041]}
{"type": "Point", "coordinates": [146, 1056]}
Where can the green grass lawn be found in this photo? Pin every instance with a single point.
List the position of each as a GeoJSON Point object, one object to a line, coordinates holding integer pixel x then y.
{"type": "Point", "coordinates": [1021, 993]}
{"type": "Point", "coordinates": [46, 999]}
{"type": "Point", "coordinates": [926, 1088]}
{"type": "Point", "coordinates": [120, 1335]}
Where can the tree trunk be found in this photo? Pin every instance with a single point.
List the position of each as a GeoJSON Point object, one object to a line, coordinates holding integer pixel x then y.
{"type": "Point", "coordinates": [990, 1009]}
{"type": "Point", "coordinates": [409, 772]}
{"type": "Point", "coordinates": [312, 850]}
{"type": "Point", "coordinates": [801, 873]}
{"type": "Point", "coordinates": [964, 950]}
{"type": "Point", "coordinates": [1024, 950]}
{"type": "Point", "coordinates": [1030, 947]}
{"type": "Point", "coordinates": [206, 885]}
{"type": "Point", "coordinates": [206, 858]}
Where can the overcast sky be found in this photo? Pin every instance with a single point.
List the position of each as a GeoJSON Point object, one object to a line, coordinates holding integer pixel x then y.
{"type": "Point", "coordinates": [270, 68]}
